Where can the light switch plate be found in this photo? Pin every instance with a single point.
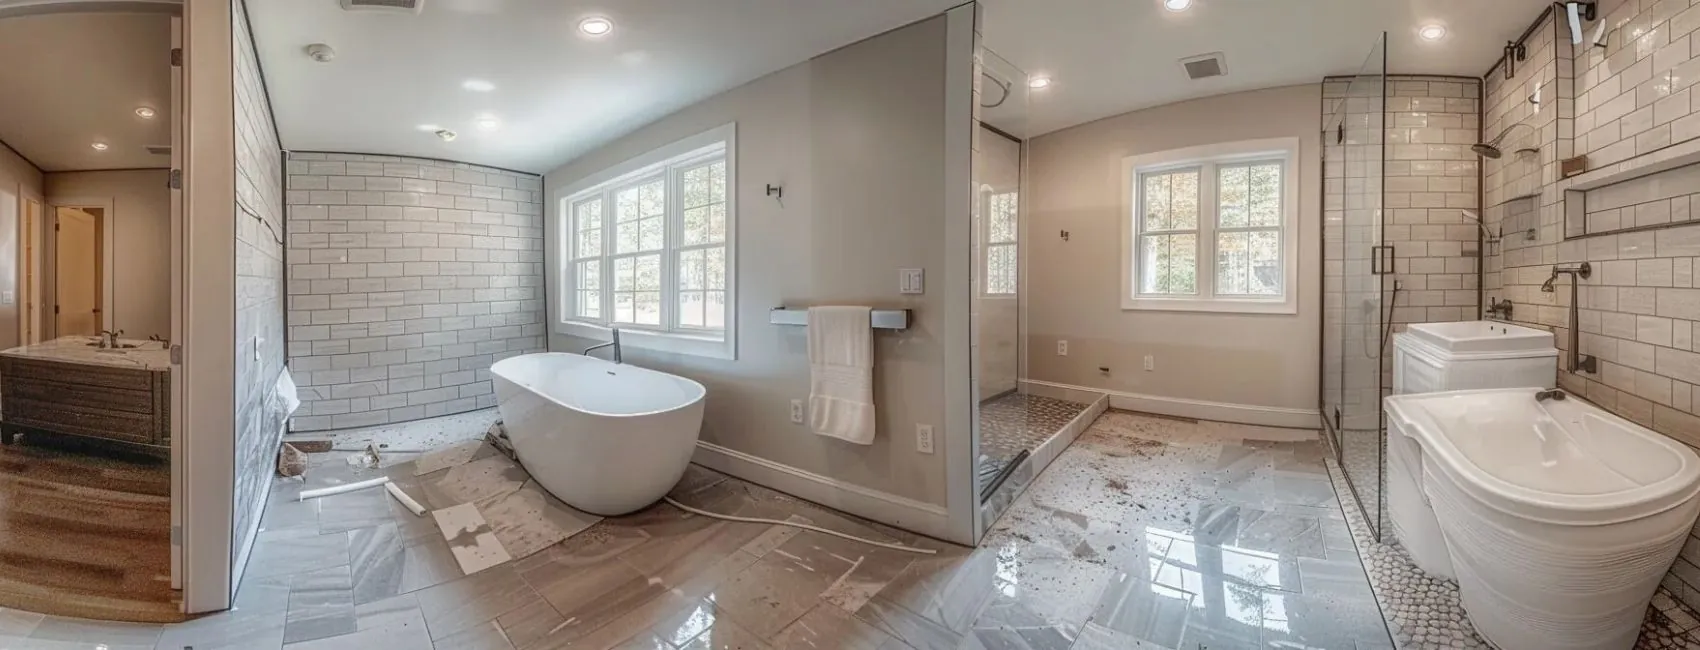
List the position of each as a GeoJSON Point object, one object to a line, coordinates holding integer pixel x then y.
{"type": "Point", "coordinates": [912, 281]}
{"type": "Point", "coordinates": [6, 297]}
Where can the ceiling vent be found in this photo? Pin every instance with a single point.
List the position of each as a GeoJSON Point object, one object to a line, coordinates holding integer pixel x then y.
{"type": "Point", "coordinates": [1204, 66]}
{"type": "Point", "coordinates": [387, 6]}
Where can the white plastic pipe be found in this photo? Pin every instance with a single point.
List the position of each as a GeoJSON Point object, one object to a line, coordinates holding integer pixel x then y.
{"type": "Point", "coordinates": [407, 501]}
{"type": "Point", "coordinates": [325, 492]}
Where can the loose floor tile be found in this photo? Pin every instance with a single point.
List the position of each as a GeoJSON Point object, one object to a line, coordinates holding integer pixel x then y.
{"type": "Point", "coordinates": [471, 539]}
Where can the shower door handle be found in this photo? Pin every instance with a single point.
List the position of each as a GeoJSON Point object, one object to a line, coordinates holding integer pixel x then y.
{"type": "Point", "coordinates": [1381, 260]}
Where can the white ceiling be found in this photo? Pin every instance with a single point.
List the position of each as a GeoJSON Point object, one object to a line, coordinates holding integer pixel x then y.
{"type": "Point", "coordinates": [557, 93]}
{"type": "Point", "coordinates": [1109, 57]}
{"type": "Point", "coordinates": [74, 79]}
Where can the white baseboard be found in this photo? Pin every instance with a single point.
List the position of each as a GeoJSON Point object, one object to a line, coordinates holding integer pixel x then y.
{"type": "Point", "coordinates": [1268, 416]}
{"type": "Point", "coordinates": [890, 509]}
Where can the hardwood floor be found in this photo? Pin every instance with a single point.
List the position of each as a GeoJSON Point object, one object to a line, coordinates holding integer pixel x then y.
{"type": "Point", "coordinates": [85, 534]}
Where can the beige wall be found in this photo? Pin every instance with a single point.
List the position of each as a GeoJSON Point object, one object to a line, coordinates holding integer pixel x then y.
{"type": "Point", "coordinates": [21, 179]}
{"type": "Point", "coordinates": [141, 243]}
{"type": "Point", "coordinates": [856, 139]}
{"type": "Point", "coordinates": [1073, 286]}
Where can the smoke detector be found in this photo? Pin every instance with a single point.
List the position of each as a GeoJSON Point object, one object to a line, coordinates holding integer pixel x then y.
{"type": "Point", "coordinates": [1204, 66]}
{"type": "Point", "coordinates": [321, 52]}
{"type": "Point", "coordinates": [385, 6]}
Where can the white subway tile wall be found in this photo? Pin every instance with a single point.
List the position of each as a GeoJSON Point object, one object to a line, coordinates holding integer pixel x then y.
{"type": "Point", "coordinates": [1639, 308]}
{"type": "Point", "coordinates": [408, 278]}
{"type": "Point", "coordinates": [259, 284]}
{"type": "Point", "coordinates": [1429, 178]}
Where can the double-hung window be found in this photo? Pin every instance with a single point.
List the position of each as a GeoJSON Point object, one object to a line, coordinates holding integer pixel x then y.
{"type": "Point", "coordinates": [1213, 228]}
{"type": "Point", "coordinates": [1001, 210]}
{"type": "Point", "coordinates": [647, 247]}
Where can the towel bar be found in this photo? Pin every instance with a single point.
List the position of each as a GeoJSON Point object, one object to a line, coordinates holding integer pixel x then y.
{"type": "Point", "coordinates": [884, 319]}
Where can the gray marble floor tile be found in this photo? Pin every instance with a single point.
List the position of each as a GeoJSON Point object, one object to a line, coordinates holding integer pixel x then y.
{"type": "Point", "coordinates": [948, 590]}
{"type": "Point", "coordinates": [484, 636]}
{"type": "Point", "coordinates": [399, 631]}
{"type": "Point", "coordinates": [352, 510]}
{"type": "Point", "coordinates": [1339, 578]}
{"type": "Point", "coordinates": [826, 626]}
{"type": "Point", "coordinates": [1098, 637]}
{"type": "Point", "coordinates": [10, 642]}
{"type": "Point", "coordinates": [256, 629]}
{"type": "Point", "coordinates": [376, 556]}
{"type": "Point", "coordinates": [908, 627]}
{"type": "Point", "coordinates": [321, 605]}
{"type": "Point", "coordinates": [1037, 588]}
{"type": "Point", "coordinates": [460, 604]}
{"type": "Point", "coordinates": [17, 622]}
{"type": "Point", "coordinates": [288, 552]}
{"type": "Point", "coordinates": [61, 628]}
{"type": "Point", "coordinates": [1135, 606]}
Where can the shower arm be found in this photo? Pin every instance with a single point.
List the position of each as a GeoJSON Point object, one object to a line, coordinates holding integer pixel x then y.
{"type": "Point", "coordinates": [1507, 132]}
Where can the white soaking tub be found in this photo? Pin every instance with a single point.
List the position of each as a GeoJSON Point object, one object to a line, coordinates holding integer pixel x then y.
{"type": "Point", "coordinates": [1560, 518]}
{"type": "Point", "coordinates": [606, 438]}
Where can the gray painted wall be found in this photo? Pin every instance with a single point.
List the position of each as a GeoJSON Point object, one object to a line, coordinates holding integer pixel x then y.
{"type": "Point", "coordinates": [407, 279]}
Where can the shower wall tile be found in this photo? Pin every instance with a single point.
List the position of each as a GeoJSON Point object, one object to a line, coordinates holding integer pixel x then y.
{"type": "Point", "coordinates": [405, 282]}
{"type": "Point", "coordinates": [1429, 177]}
{"type": "Point", "coordinates": [1639, 309]}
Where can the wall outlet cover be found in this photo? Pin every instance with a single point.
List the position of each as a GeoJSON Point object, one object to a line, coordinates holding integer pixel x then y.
{"type": "Point", "coordinates": [924, 438]}
{"type": "Point", "coordinates": [1062, 347]}
{"type": "Point", "coordinates": [796, 411]}
{"type": "Point", "coordinates": [1150, 363]}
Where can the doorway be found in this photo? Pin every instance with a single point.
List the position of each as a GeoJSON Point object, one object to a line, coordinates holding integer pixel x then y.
{"type": "Point", "coordinates": [78, 269]}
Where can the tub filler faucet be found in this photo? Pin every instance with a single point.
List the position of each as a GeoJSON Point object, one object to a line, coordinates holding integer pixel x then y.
{"type": "Point", "coordinates": [1552, 394]}
{"type": "Point", "coordinates": [611, 344]}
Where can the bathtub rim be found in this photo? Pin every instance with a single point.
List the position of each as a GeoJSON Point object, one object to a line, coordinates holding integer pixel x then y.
{"type": "Point", "coordinates": [701, 391]}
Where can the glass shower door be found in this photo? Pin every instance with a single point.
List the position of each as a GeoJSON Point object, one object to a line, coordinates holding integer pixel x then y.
{"type": "Point", "coordinates": [1355, 321]}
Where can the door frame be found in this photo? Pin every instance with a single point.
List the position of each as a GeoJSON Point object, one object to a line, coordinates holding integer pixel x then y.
{"type": "Point", "coordinates": [107, 271]}
{"type": "Point", "coordinates": [30, 294]}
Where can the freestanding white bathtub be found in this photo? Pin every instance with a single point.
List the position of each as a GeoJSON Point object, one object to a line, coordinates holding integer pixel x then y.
{"type": "Point", "coordinates": [606, 438]}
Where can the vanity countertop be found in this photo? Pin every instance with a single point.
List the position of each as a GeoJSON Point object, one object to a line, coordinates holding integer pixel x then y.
{"type": "Point", "coordinates": [147, 355]}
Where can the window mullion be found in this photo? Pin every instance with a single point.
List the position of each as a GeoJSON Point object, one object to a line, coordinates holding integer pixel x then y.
{"type": "Point", "coordinates": [672, 224]}
{"type": "Point", "coordinates": [606, 261]}
{"type": "Point", "coordinates": [1207, 221]}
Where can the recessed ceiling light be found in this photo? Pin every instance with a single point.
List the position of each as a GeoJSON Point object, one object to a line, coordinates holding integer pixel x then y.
{"type": "Point", "coordinates": [478, 85]}
{"type": "Point", "coordinates": [1039, 82]}
{"type": "Point", "coordinates": [144, 112]}
{"type": "Point", "coordinates": [489, 123]}
{"type": "Point", "coordinates": [100, 146]}
{"type": "Point", "coordinates": [447, 135]}
{"type": "Point", "coordinates": [1432, 32]}
{"type": "Point", "coordinates": [1177, 5]}
{"type": "Point", "coordinates": [596, 26]}
{"type": "Point", "coordinates": [429, 128]}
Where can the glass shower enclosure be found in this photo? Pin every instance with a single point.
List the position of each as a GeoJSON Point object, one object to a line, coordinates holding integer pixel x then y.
{"type": "Point", "coordinates": [1357, 277]}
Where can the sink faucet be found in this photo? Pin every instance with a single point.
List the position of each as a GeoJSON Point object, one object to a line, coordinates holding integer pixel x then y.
{"type": "Point", "coordinates": [1499, 309]}
{"type": "Point", "coordinates": [109, 339]}
{"type": "Point", "coordinates": [1553, 394]}
{"type": "Point", "coordinates": [611, 344]}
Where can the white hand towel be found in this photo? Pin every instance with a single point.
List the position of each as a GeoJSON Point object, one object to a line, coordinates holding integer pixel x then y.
{"type": "Point", "coordinates": [841, 373]}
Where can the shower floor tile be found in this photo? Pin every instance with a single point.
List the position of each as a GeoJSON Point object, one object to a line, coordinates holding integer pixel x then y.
{"type": "Point", "coordinates": [1018, 422]}
{"type": "Point", "coordinates": [1425, 611]}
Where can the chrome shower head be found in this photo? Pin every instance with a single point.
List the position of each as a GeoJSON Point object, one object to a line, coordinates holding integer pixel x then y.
{"type": "Point", "coordinates": [1546, 287]}
{"type": "Point", "coordinates": [1490, 149]}
{"type": "Point", "coordinates": [1486, 150]}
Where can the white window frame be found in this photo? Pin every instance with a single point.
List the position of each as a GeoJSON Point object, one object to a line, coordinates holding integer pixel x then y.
{"type": "Point", "coordinates": [668, 161]}
{"type": "Point", "coordinates": [1207, 159]}
{"type": "Point", "coordinates": [986, 244]}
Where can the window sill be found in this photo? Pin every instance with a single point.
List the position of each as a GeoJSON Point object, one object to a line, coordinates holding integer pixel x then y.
{"type": "Point", "coordinates": [1211, 306]}
{"type": "Point", "coordinates": [670, 342]}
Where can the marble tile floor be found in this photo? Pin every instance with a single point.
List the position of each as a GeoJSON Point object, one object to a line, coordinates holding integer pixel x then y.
{"type": "Point", "coordinates": [1425, 612]}
{"type": "Point", "coordinates": [1017, 422]}
{"type": "Point", "coordinates": [1147, 533]}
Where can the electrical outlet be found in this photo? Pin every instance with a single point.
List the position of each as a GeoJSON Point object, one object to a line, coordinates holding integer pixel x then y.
{"type": "Point", "coordinates": [1062, 347]}
{"type": "Point", "coordinates": [796, 411]}
{"type": "Point", "coordinates": [1150, 363]}
{"type": "Point", "coordinates": [924, 438]}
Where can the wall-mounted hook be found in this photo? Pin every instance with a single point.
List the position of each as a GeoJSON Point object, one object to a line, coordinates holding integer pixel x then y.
{"type": "Point", "coordinates": [1064, 235]}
